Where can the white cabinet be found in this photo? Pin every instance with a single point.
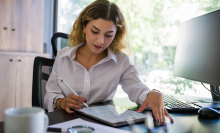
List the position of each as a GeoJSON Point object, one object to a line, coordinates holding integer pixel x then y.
{"type": "Point", "coordinates": [21, 25]}
{"type": "Point", "coordinates": [16, 71]}
{"type": "Point", "coordinates": [21, 40]}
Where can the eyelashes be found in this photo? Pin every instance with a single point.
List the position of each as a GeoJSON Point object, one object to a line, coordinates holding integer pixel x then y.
{"type": "Point", "coordinates": [108, 36]}
{"type": "Point", "coordinates": [98, 32]}
{"type": "Point", "coordinates": [94, 32]}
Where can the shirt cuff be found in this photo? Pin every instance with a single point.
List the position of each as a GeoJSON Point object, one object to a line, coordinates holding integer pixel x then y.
{"type": "Point", "coordinates": [51, 101]}
{"type": "Point", "coordinates": [142, 97]}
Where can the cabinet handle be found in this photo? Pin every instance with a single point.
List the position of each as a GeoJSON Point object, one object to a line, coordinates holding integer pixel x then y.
{"type": "Point", "coordinates": [11, 60]}
{"type": "Point", "coordinates": [19, 60]}
{"type": "Point", "coordinates": [5, 28]}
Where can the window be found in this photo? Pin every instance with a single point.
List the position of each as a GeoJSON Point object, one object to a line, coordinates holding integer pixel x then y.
{"type": "Point", "coordinates": [153, 28]}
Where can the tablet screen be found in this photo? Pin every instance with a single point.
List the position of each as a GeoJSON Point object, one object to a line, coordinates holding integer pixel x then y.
{"type": "Point", "coordinates": [112, 115]}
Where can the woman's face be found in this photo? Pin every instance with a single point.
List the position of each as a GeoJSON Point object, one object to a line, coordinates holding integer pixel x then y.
{"type": "Point", "coordinates": [99, 34]}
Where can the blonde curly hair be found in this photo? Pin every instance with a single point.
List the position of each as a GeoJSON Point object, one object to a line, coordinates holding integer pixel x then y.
{"type": "Point", "coordinates": [105, 10]}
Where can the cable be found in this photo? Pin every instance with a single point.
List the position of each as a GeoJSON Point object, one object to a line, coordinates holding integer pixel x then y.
{"type": "Point", "coordinates": [210, 90]}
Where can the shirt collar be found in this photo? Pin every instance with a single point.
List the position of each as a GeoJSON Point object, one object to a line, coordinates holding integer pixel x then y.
{"type": "Point", "coordinates": [111, 55]}
{"type": "Point", "coordinates": [71, 52]}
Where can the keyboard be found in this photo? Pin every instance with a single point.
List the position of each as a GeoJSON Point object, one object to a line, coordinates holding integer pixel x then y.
{"type": "Point", "coordinates": [176, 105]}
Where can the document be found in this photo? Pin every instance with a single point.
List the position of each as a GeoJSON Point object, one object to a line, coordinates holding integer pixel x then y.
{"type": "Point", "coordinates": [111, 115]}
{"type": "Point", "coordinates": [98, 127]}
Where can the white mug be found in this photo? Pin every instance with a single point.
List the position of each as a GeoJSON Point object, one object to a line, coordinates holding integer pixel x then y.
{"type": "Point", "coordinates": [25, 120]}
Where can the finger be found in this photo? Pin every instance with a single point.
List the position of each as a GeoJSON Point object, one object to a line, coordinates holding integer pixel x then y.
{"type": "Point", "coordinates": [167, 114]}
{"type": "Point", "coordinates": [73, 102]}
{"type": "Point", "coordinates": [143, 106]}
{"type": "Point", "coordinates": [75, 97]}
{"type": "Point", "coordinates": [155, 113]}
{"type": "Point", "coordinates": [160, 113]}
{"type": "Point", "coordinates": [85, 100]}
{"type": "Point", "coordinates": [77, 107]}
{"type": "Point", "coordinates": [81, 100]}
{"type": "Point", "coordinates": [74, 106]}
{"type": "Point", "coordinates": [69, 111]}
{"type": "Point", "coordinates": [77, 103]}
{"type": "Point", "coordinates": [163, 116]}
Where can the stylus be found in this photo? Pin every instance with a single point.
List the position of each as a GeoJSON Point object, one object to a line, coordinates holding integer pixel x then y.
{"type": "Point", "coordinates": [71, 89]}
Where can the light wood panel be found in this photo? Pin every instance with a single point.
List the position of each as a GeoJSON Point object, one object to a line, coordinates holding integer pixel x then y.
{"type": "Point", "coordinates": [16, 9]}
{"type": "Point", "coordinates": [24, 20]}
{"type": "Point", "coordinates": [7, 83]}
{"type": "Point", "coordinates": [16, 74]}
{"type": "Point", "coordinates": [5, 24]}
{"type": "Point", "coordinates": [21, 37]}
{"type": "Point", "coordinates": [24, 81]}
{"type": "Point", "coordinates": [37, 26]}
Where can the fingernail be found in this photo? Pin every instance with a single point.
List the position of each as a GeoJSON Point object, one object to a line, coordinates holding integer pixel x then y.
{"type": "Point", "coordinates": [158, 121]}
{"type": "Point", "coordinates": [172, 121]}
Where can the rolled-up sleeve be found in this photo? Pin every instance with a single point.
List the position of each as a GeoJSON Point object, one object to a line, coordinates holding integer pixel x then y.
{"type": "Point", "coordinates": [132, 85]}
{"type": "Point", "coordinates": [52, 89]}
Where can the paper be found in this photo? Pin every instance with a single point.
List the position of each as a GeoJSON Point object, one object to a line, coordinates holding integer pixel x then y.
{"type": "Point", "coordinates": [112, 113]}
{"type": "Point", "coordinates": [97, 110]}
{"type": "Point", "coordinates": [98, 127]}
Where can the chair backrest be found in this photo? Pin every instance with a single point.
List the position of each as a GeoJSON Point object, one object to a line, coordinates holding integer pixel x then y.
{"type": "Point", "coordinates": [42, 69]}
{"type": "Point", "coordinates": [41, 73]}
{"type": "Point", "coordinates": [54, 43]}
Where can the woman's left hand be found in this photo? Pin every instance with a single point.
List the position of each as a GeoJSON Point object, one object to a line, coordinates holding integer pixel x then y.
{"type": "Point", "coordinates": [155, 101]}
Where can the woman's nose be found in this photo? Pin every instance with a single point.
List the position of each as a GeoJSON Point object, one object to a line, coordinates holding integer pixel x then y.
{"type": "Point", "coordinates": [100, 39]}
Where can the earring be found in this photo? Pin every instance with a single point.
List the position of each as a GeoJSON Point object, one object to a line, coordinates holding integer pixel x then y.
{"type": "Point", "coordinates": [83, 35]}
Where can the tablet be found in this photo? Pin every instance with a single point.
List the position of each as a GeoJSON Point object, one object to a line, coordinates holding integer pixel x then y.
{"type": "Point", "coordinates": [111, 115]}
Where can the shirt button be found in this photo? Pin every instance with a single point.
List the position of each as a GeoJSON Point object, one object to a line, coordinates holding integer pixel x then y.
{"type": "Point", "coordinates": [87, 81]}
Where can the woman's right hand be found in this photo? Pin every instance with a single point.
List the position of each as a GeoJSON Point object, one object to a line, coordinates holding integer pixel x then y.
{"type": "Point", "coordinates": [72, 102]}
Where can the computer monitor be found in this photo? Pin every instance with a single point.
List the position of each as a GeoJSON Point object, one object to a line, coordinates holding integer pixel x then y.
{"type": "Point", "coordinates": [198, 51]}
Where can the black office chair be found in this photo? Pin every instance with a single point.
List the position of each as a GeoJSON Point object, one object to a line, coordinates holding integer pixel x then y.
{"type": "Point", "coordinates": [41, 72]}
{"type": "Point", "coordinates": [42, 68]}
{"type": "Point", "coordinates": [54, 38]}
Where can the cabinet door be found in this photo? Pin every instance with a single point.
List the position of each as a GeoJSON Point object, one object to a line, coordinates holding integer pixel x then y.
{"type": "Point", "coordinates": [16, 23]}
{"type": "Point", "coordinates": [24, 81]}
{"type": "Point", "coordinates": [5, 24]}
{"type": "Point", "coordinates": [7, 83]}
{"type": "Point", "coordinates": [27, 21]}
{"type": "Point", "coordinates": [24, 20]}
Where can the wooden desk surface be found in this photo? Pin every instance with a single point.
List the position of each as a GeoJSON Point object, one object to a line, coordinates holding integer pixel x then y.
{"type": "Point", "coordinates": [183, 123]}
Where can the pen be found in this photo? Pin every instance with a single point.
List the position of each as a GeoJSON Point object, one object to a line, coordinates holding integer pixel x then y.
{"type": "Point", "coordinates": [71, 89]}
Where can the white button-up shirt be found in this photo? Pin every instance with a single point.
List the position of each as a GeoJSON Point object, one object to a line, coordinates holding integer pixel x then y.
{"type": "Point", "coordinates": [96, 85]}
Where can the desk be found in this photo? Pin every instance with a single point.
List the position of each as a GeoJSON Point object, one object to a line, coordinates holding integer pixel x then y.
{"type": "Point", "coordinates": [183, 123]}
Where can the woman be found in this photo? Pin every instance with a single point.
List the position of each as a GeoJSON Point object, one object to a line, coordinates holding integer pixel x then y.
{"type": "Point", "coordinates": [94, 65]}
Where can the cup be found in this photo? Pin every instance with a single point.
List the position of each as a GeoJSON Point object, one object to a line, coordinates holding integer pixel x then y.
{"type": "Point", "coordinates": [25, 120]}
